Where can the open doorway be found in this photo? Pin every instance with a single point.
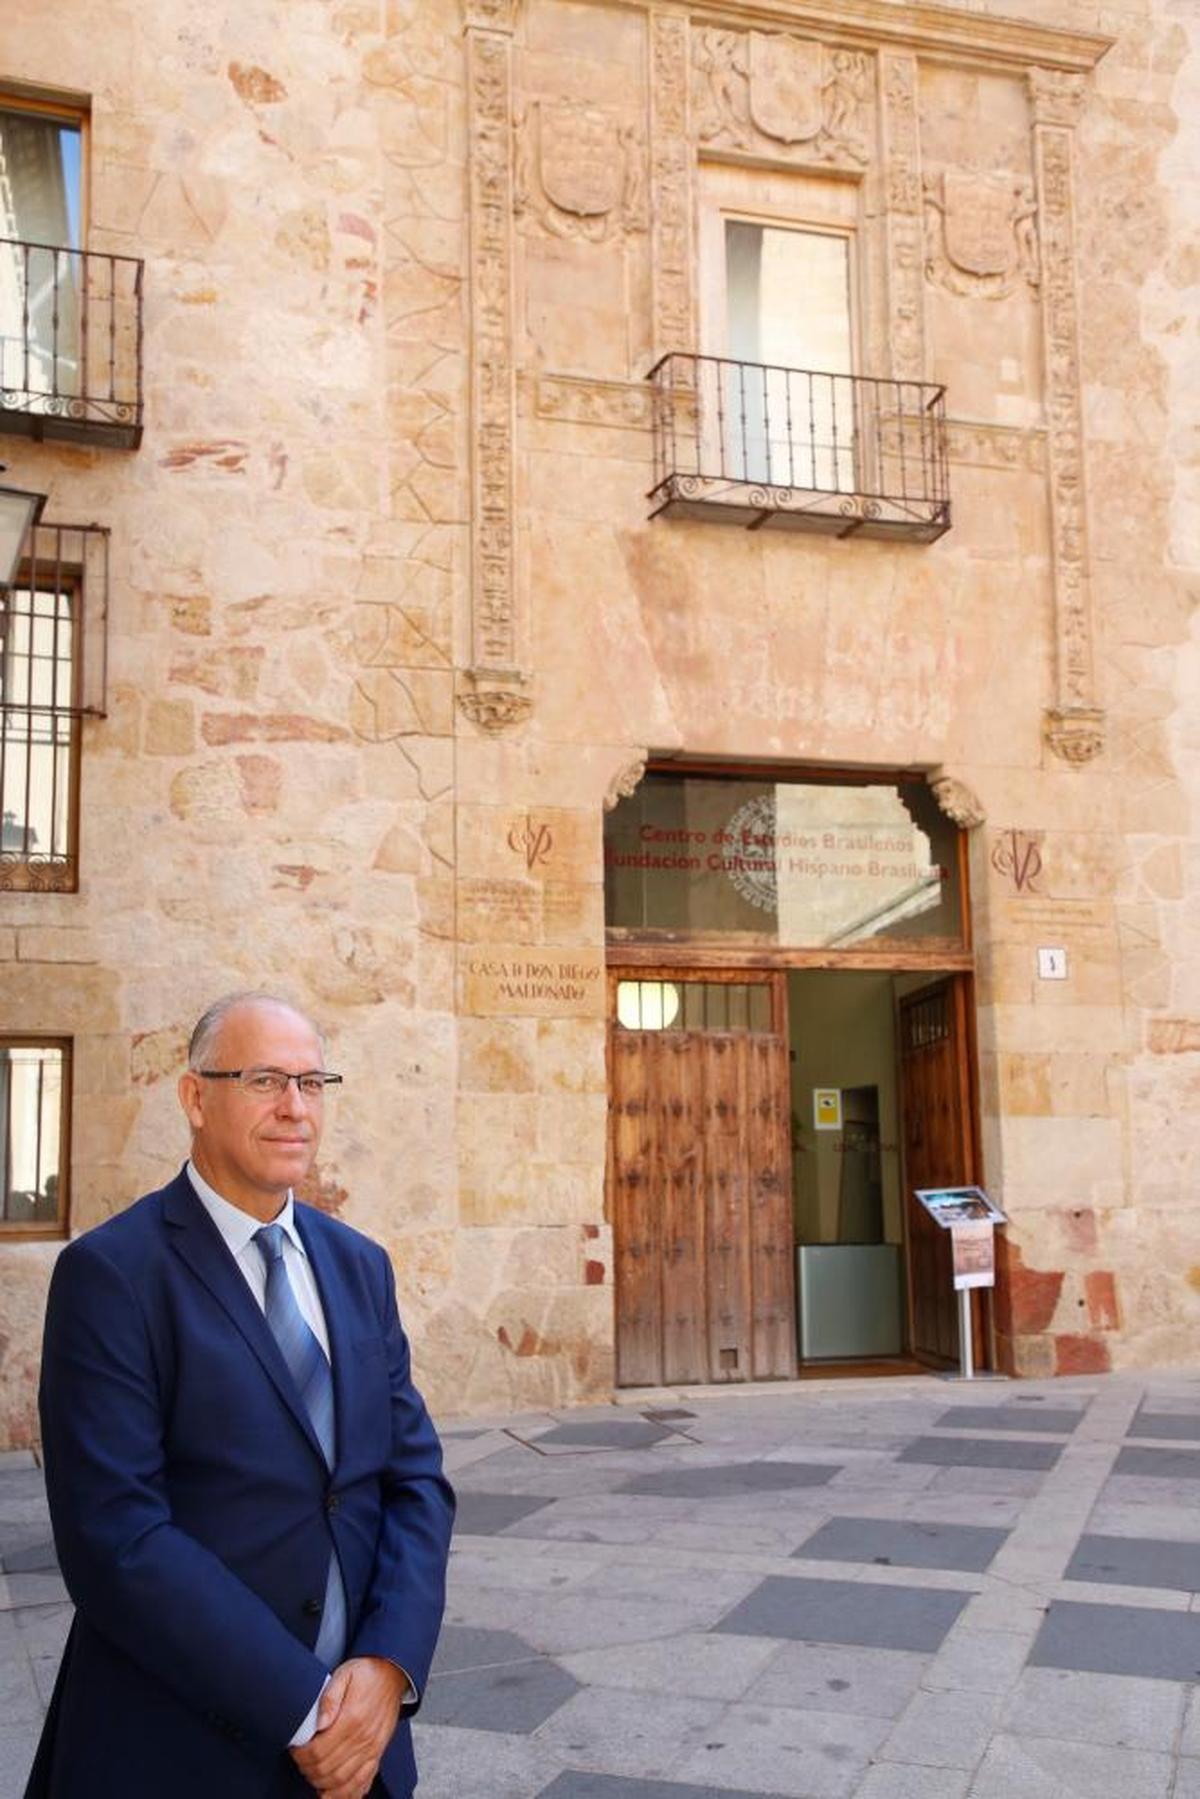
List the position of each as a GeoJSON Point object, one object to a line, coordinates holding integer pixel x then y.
{"type": "Point", "coordinates": [880, 1104]}
{"type": "Point", "coordinates": [766, 1132]}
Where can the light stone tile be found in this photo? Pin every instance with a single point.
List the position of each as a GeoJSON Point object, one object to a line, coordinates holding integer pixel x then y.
{"type": "Point", "coordinates": [1042, 1768]}
{"type": "Point", "coordinates": [822, 1755]}
{"type": "Point", "coordinates": [706, 1667]}
{"type": "Point", "coordinates": [899, 1780]}
{"type": "Point", "coordinates": [1189, 1742]}
{"type": "Point", "coordinates": [1187, 1780]}
{"type": "Point", "coordinates": [1123, 1710]}
{"type": "Point", "coordinates": [653, 1732]}
{"type": "Point", "coordinates": [826, 1677]}
{"type": "Point", "coordinates": [978, 1661]}
{"type": "Point", "coordinates": [18, 1742]}
{"type": "Point", "coordinates": [480, 1764]}
{"type": "Point", "coordinates": [944, 1729]}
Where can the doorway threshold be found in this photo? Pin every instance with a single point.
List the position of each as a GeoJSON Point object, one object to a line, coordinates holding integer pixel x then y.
{"type": "Point", "coordinates": [869, 1368]}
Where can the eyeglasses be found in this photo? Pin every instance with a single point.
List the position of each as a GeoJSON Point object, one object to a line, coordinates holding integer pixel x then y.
{"type": "Point", "coordinates": [270, 1083]}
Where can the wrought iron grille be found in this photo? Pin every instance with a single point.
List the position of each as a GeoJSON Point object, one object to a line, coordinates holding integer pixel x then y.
{"type": "Point", "coordinates": [796, 448]}
{"type": "Point", "coordinates": [53, 631]}
{"type": "Point", "coordinates": [70, 344]}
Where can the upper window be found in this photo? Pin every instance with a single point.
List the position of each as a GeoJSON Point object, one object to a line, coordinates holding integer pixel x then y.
{"type": "Point", "coordinates": [70, 319]}
{"type": "Point", "coordinates": [34, 1109]}
{"type": "Point", "coordinates": [789, 343]}
{"type": "Point", "coordinates": [40, 178]}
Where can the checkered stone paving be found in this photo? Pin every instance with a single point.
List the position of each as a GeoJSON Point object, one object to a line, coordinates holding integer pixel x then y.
{"type": "Point", "coordinates": [830, 1590]}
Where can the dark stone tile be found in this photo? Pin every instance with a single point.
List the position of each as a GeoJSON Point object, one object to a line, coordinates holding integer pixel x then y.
{"type": "Point", "coordinates": [1164, 1464]}
{"type": "Point", "coordinates": [969, 1548]}
{"type": "Point", "coordinates": [462, 1646]}
{"type": "Point", "coordinates": [730, 1479]}
{"type": "Point", "coordinates": [1137, 1562]}
{"type": "Point", "coordinates": [35, 1558]}
{"type": "Point", "coordinates": [576, 1784]}
{"type": "Point", "coordinates": [1048, 1421]}
{"type": "Point", "coordinates": [487, 1514]}
{"type": "Point", "coordinates": [1119, 1639]}
{"type": "Point", "coordinates": [668, 1415]}
{"type": "Point", "coordinates": [980, 1452]}
{"type": "Point", "coordinates": [845, 1611]}
{"type": "Point", "coordinates": [601, 1433]}
{"type": "Point", "coordinates": [1178, 1427]}
{"type": "Point", "coordinates": [513, 1697]}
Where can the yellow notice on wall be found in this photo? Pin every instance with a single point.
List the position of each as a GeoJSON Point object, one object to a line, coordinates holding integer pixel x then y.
{"type": "Point", "coordinates": [827, 1108]}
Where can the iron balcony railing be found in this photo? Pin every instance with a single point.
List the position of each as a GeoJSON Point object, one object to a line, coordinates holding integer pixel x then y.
{"type": "Point", "coordinates": [761, 446]}
{"type": "Point", "coordinates": [70, 344]}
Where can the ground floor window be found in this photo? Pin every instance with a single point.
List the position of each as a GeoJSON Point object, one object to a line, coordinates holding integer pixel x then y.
{"type": "Point", "coordinates": [35, 1080]}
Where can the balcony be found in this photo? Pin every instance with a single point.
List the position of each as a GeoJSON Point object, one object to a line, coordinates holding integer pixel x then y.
{"type": "Point", "coordinates": [798, 450]}
{"type": "Point", "coordinates": [70, 344]}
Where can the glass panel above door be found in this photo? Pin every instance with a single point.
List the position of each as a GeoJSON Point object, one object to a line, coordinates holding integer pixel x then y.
{"type": "Point", "coordinates": [798, 864]}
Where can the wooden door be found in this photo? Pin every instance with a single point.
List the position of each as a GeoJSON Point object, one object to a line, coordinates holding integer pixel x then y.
{"type": "Point", "coordinates": [699, 1185]}
{"type": "Point", "coordinates": [939, 1151]}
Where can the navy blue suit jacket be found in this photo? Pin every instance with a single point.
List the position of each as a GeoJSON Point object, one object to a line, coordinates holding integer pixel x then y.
{"type": "Point", "coordinates": [194, 1512]}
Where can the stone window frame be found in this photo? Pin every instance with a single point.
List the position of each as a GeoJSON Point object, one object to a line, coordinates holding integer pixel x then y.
{"type": "Point", "coordinates": [58, 1228]}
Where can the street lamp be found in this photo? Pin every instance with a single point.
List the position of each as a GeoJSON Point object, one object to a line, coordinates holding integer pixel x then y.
{"type": "Point", "coordinates": [19, 513]}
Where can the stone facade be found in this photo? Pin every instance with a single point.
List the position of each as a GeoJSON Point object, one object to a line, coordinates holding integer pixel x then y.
{"type": "Point", "coordinates": [389, 625]}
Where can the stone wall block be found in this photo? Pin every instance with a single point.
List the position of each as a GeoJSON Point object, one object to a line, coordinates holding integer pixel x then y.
{"type": "Point", "coordinates": [170, 728]}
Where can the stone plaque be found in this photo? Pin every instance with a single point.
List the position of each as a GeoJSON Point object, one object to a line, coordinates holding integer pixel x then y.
{"type": "Point", "coordinates": [533, 982]}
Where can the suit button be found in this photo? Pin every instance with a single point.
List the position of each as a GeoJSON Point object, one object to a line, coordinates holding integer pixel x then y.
{"type": "Point", "coordinates": [312, 1608]}
{"type": "Point", "coordinates": [332, 1502]}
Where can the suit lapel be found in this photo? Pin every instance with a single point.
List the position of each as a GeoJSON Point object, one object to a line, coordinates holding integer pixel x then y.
{"type": "Point", "coordinates": [197, 1240]}
{"type": "Point", "coordinates": [338, 1309]}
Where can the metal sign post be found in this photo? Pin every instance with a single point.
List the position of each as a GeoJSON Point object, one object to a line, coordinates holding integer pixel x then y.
{"type": "Point", "coordinates": [970, 1217]}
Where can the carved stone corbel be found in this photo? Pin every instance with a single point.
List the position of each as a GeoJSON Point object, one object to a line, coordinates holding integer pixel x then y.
{"type": "Point", "coordinates": [494, 702]}
{"type": "Point", "coordinates": [625, 782]}
{"type": "Point", "coordinates": [958, 802]}
{"type": "Point", "coordinates": [1075, 733]}
{"type": "Point", "coordinates": [1074, 726]}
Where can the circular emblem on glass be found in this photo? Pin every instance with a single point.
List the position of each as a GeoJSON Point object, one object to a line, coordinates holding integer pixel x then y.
{"type": "Point", "coordinates": [750, 852]}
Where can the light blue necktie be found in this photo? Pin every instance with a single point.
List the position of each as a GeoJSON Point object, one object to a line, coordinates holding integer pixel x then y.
{"type": "Point", "coordinates": [309, 1368]}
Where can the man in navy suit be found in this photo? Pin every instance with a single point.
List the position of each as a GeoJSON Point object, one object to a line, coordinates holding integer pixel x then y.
{"type": "Point", "coordinates": [245, 1486]}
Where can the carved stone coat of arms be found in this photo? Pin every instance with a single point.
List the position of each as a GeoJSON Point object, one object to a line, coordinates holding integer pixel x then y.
{"type": "Point", "coordinates": [754, 89]}
{"type": "Point", "coordinates": [981, 233]}
{"type": "Point", "coordinates": [578, 171]}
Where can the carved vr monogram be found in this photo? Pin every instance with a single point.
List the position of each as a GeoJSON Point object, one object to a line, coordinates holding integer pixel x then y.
{"type": "Point", "coordinates": [768, 84]}
{"type": "Point", "coordinates": [1017, 856]}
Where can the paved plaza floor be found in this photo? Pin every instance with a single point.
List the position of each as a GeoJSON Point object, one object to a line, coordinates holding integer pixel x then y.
{"type": "Point", "coordinates": [905, 1589]}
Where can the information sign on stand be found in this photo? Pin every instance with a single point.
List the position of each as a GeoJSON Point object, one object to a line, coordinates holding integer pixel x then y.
{"type": "Point", "coordinates": [971, 1217]}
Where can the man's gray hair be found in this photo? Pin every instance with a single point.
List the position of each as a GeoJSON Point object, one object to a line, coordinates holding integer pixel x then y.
{"type": "Point", "coordinates": [203, 1040]}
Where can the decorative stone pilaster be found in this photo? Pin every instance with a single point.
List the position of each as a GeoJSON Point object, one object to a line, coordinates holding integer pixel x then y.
{"type": "Point", "coordinates": [904, 213]}
{"type": "Point", "coordinates": [492, 693]}
{"type": "Point", "coordinates": [1074, 726]}
{"type": "Point", "coordinates": [671, 180]}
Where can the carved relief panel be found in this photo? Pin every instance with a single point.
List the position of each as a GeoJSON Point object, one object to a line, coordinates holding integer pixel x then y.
{"type": "Point", "coordinates": [980, 232]}
{"type": "Point", "coordinates": [788, 97]}
{"type": "Point", "coordinates": [580, 172]}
